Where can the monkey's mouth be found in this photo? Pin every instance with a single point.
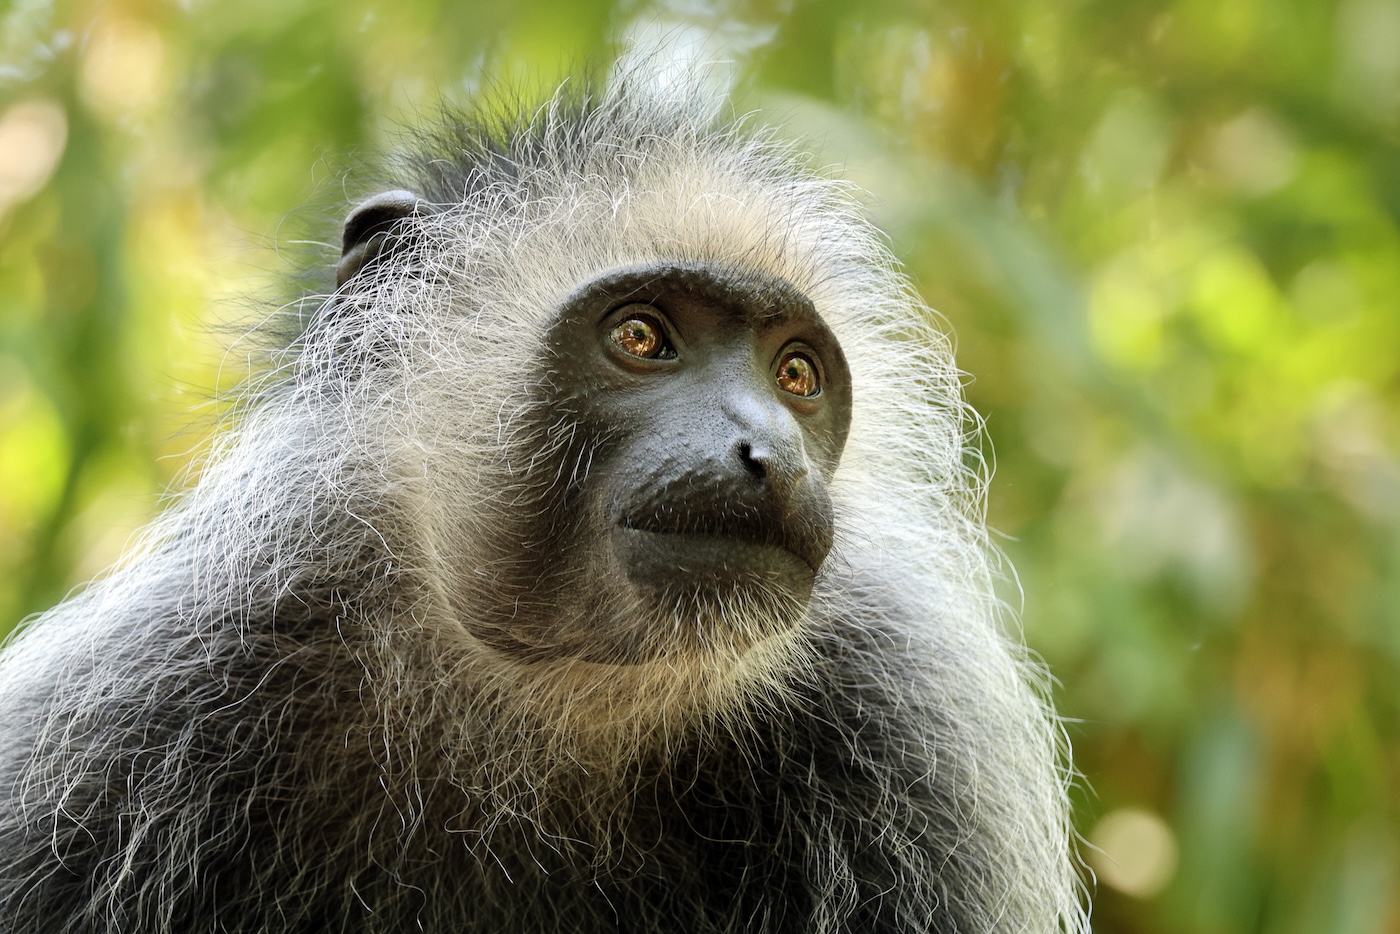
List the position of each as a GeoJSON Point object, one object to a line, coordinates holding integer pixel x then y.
{"type": "Point", "coordinates": [728, 548]}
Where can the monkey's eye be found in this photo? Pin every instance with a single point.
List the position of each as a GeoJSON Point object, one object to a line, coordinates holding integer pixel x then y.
{"type": "Point", "coordinates": [642, 336]}
{"type": "Point", "coordinates": [797, 374]}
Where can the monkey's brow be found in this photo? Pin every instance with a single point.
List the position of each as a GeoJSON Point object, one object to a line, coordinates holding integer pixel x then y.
{"type": "Point", "coordinates": [752, 298]}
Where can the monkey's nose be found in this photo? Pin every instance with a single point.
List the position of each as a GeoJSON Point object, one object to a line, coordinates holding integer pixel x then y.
{"type": "Point", "coordinates": [765, 440]}
{"type": "Point", "coordinates": [779, 467]}
{"type": "Point", "coordinates": [757, 466]}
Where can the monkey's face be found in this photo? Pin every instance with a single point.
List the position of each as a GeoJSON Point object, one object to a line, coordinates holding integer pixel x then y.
{"type": "Point", "coordinates": [707, 410]}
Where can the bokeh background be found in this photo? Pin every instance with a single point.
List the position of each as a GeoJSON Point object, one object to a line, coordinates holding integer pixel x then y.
{"type": "Point", "coordinates": [1164, 234]}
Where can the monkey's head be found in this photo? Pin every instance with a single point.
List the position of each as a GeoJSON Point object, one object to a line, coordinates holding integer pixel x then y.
{"type": "Point", "coordinates": [663, 485]}
{"type": "Point", "coordinates": [614, 375]}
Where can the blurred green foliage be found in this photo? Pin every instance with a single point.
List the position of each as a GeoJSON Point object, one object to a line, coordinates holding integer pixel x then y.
{"type": "Point", "coordinates": [1164, 233]}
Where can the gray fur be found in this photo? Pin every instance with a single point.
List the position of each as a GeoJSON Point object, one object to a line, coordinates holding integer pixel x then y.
{"type": "Point", "coordinates": [270, 717]}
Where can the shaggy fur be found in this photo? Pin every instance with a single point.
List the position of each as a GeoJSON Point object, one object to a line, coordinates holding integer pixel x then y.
{"type": "Point", "coordinates": [271, 717]}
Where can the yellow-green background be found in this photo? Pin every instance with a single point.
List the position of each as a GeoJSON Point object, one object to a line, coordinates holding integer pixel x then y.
{"type": "Point", "coordinates": [1165, 235]}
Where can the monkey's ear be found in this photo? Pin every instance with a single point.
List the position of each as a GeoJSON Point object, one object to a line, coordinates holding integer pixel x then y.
{"type": "Point", "coordinates": [367, 229]}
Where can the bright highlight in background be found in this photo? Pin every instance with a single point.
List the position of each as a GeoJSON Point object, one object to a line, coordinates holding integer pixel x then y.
{"type": "Point", "coordinates": [32, 136]}
{"type": "Point", "coordinates": [1134, 852]}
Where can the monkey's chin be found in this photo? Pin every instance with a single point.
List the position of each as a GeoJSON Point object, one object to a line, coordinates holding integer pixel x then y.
{"type": "Point", "coordinates": [722, 566]}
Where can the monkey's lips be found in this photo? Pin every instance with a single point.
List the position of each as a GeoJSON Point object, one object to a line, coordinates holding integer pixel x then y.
{"type": "Point", "coordinates": [734, 550]}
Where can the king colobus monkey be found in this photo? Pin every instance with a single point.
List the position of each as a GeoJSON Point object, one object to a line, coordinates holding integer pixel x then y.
{"type": "Point", "coordinates": [600, 555]}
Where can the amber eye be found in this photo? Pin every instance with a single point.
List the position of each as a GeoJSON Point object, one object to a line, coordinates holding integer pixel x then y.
{"type": "Point", "coordinates": [797, 374]}
{"type": "Point", "coordinates": [641, 336]}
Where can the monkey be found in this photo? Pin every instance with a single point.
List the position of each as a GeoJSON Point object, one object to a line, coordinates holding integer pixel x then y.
{"type": "Point", "coordinates": [602, 552]}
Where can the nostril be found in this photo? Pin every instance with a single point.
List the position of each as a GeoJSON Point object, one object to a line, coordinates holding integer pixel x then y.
{"type": "Point", "coordinates": [754, 465]}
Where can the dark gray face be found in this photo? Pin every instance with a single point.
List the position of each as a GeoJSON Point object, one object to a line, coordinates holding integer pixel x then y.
{"type": "Point", "coordinates": [724, 402]}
